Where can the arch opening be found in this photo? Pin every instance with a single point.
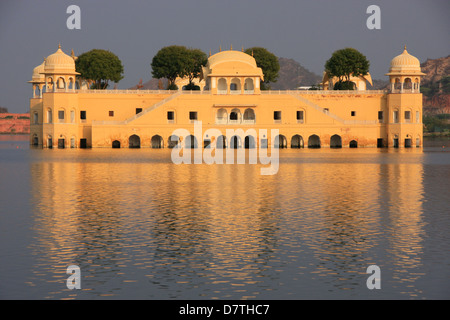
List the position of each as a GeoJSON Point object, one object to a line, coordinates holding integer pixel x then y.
{"type": "Point", "coordinates": [314, 141]}
{"type": "Point", "coordinates": [297, 141]}
{"type": "Point", "coordinates": [280, 141]}
{"type": "Point", "coordinates": [116, 144]}
{"type": "Point", "coordinates": [157, 142]}
{"type": "Point", "coordinates": [134, 142]}
{"type": "Point", "coordinates": [335, 141]}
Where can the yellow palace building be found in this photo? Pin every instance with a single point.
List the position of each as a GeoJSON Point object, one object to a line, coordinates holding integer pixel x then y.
{"type": "Point", "coordinates": [65, 114]}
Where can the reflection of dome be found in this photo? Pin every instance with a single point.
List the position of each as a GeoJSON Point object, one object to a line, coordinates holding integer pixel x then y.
{"type": "Point", "coordinates": [38, 73]}
{"type": "Point", "coordinates": [404, 64]}
{"type": "Point", "coordinates": [59, 62]}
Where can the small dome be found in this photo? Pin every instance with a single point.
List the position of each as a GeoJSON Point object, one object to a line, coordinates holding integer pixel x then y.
{"type": "Point", "coordinates": [59, 62]}
{"type": "Point", "coordinates": [405, 64]}
{"type": "Point", "coordinates": [38, 73]}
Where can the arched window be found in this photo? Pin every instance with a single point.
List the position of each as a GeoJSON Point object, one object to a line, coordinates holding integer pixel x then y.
{"type": "Point", "coordinates": [35, 140]}
{"type": "Point", "coordinates": [280, 141]}
{"type": "Point", "coordinates": [221, 116]}
{"type": "Point", "coordinates": [49, 116]}
{"type": "Point", "coordinates": [353, 144]}
{"type": "Point", "coordinates": [249, 142]}
{"type": "Point", "coordinates": [335, 141]}
{"type": "Point", "coordinates": [173, 141]}
{"type": "Point", "coordinates": [314, 141]}
{"type": "Point", "coordinates": [407, 85]}
{"type": "Point", "coordinates": [297, 141]}
{"type": "Point", "coordinates": [222, 85]}
{"type": "Point", "coordinates": [134, 141]}
{"type": "Point", "coordinates": [235, 142]}
{"type": "Point", "coordinates": [49, 142]}
{"type": "Point", "coordinates": [61, 84]}
{"type": "Point", "coordinates": [248, 85]}
{"type": "Point", "coordinates": [157, 142]}
{"type": "Point", "coordinates": [235, 85]}
{"type": "Point", "coordinates": [36, 92]}
{"type": "Point", "coordinates": [221, 142]}
{"type": "Point", "coordinates": [191, 142]}
{"type": "Point", "coordinates": [235, 116]}
{"type": "Point", "coordinates": [71, 84]}
{"type": "Point", "coordinates": [249, 116]}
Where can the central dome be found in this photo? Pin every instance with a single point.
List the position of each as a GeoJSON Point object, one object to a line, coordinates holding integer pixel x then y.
{"type": "Point", "coordinates": [232, 63]}
{"type": "Point", "coordinates": [227, 56]}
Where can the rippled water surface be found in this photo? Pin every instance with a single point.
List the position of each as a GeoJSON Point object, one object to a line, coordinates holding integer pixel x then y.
{"type": "Point", "coordinates": [141, 227]}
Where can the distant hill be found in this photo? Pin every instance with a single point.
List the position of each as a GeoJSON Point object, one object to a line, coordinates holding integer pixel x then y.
{"type": "Point", "coordinates": [435, 85]}
{"type": "Point", "coordinates": [293, 75]}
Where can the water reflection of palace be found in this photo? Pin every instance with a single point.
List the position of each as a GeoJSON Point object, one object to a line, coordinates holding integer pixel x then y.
{"type": "Point", "coordinates": [228, 221]}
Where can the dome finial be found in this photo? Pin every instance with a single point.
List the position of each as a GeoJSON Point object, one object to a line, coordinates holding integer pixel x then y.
{"type": "Point", "coordinates": [404, 47]}
{"type": "Point", "coordinates": [59, 45]}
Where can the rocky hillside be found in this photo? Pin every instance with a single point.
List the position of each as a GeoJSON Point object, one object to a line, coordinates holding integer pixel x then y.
{"type": "Point", "coordinates": [435, 85]}
{"type": "Point", "coordinates": [435, 69]}
{"type": "Point", "coordinates": [292, 75]}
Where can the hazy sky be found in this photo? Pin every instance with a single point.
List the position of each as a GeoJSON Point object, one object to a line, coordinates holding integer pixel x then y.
{"type": "Point", "coordinates": [306, 31]}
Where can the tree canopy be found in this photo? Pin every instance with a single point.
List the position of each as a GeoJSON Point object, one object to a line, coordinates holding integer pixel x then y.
{"type": "Point", "coordinates": [100, 66]}
{"type": "Point", "coordinates": [196, 60]}
{"type": "Point", "coordinates": [268, 62]}
{"type": "Point", "coordinates": [345, 63]}
{"type": "Point", "coordinates": [178, 61]}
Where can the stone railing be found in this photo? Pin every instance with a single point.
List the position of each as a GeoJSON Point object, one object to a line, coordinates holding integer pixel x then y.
{"type": "Point", "coordinates": [323, 91]}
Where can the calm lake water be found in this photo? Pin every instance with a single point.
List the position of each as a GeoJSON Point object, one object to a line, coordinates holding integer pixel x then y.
{"type": "Point", "coordinates": [141, 227]}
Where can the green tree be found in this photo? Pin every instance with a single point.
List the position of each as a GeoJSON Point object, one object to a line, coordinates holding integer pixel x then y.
{"type": "Point", "coordinates": [178, 61]}
{"type": "Point", "coordinates": [345, 63]}
{"type": "Point", "coordinates": [170, 62]}
{"type": "Point", "coordinates": [269, 64]}
{"type": "Point", "coordinates": [196, 60]}
{"type": "Point", "coordinates": [100, 66]}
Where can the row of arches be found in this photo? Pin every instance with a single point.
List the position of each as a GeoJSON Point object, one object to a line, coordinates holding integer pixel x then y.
{"type": "Point", "coordinates": [235, 85]}
{"type": "Point", "coordinates": [235, 116]}
{"type": "Point", "coordinates": [236, 141]}
{"type": "Point", "coordinates": [405, 84]}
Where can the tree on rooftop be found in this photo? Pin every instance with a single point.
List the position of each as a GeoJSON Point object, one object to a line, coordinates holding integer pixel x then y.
{"type": "Point", "coordinates": [175, 61]}
{"type": "Point", "coordinates": [196, 60]}
{"type": "Point", "coordinates": [345, 63]}
{"type": "Point", "coordinates": [269, 64]}
{"type": "Point", "coordinates": [100, 66]}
